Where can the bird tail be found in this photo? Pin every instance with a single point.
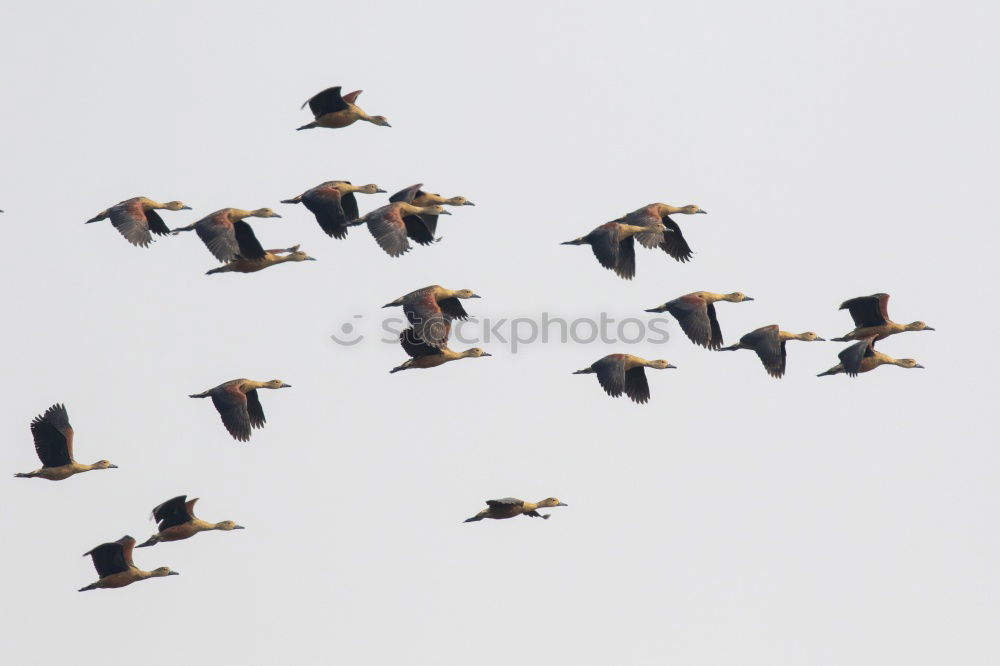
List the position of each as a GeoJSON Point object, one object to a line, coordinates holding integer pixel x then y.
{"type": "Point", "coordinates": [103, 215]}
{"type": "Point", "coordinates": [398, 368]}
{"type": "Point", "coordinates": [220, 269]}
{"type": "Point", "coordinates": [151, 541]}
{"type": "Point", "coordinates": [307, 126]}
{"type": "Point", "coordinates": [293, 200]}
{"type": "Point", "coordinates": [659, 308]}
{"type": "Point", "coordinates": [24, 475]}
{"type": "Point", "coordinates": [473, 519]}
{"type": "Point", "coordinates": [176, 231]}
{"type": "Point", "coordinates": [585, 371]}
{"type": "Point", "coordinates": [92, 586]}
{"type": "Point", "coordinates": [199, 395]}
{"type": "Point", "coordinates": [576, 241]}
{"type": "Point", "coordinates": [828, 372]}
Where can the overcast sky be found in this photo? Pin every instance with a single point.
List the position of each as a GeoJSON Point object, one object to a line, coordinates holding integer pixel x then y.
{"type": "Point", "coordinates": [841, 149]}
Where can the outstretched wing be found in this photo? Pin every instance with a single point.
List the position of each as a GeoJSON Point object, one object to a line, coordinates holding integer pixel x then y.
{"type": "Point", "coordinates": [636, 386]}
{"type": "Point", "coordinates": [692, 315]}
{"type": "Point", "coordinates": [231, 403]}
{"type": "Point", "coordinates": [414, 346]}
{"type": "Point", "coordinates": [53, 436]}
{"type": "Point", "coordinates": [673, 242]}
{"type": "Point", "coordinates": [173, 512]}
{"type": "Point", "coordinates": [328, 101]}
{"type": "Point", "coordinates": [868, 310]}
{"type": "Point", "coordinates": [769, 347]}
{"type": "Point", "coordinates": [610, 372]}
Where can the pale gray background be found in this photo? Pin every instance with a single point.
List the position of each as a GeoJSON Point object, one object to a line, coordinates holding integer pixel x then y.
{"type": "Point", "coordinates": [841, 149]}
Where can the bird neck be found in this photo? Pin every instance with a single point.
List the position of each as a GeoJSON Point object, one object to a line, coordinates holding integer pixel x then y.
{"type": "Point", "coordinates": [235, 214]}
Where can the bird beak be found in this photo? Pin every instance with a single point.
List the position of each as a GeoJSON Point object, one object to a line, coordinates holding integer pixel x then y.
{"type": "Point", "coordinates": [819, 339]}
{"type": "Point", "coordinates": [671, 365]}
{"type": "Point", "coordinates": [562, 504]}
{"type": "Point", "coordinates": [444, 212]}
{"type": "Point", "coordinates": [747, 298]}
{"type": "Point", "coordinates": [475, 296]}
{"type": "Point", "coordinates": [284, 385]}
{"type": "Point", "coordinates": [703, 212]}
{"type": "Point", "coordinates": [919, 366]}
{"type": "Point", "coordinates": [185, 207]}
{"type": "Point", "coordinates": [468, 203]}
{"type": "Point", "coordinates": [275, 215]}
{"type": "Point", "coordinates": [310, 258]}
{"type": "Point", "coordinates": [112, 466]}
{"type": "Point", "coordinates": [238, 527]}
{"type": "Point", "coordinates": [379, 190]}
{"type": "Point", "coordinates": [928, 328]}
{"type": "Point", "coordinates": [487, 354]}
{"type": "Point", "coordinates": [174, 573]}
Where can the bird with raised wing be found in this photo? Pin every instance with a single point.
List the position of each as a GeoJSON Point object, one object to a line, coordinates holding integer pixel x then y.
{"type": "Point", "coordinates": [695, 312]}
{"type": "Point", "coordinates": [53, 437]}
{"type": "Point", "coordinates": [136, 219]}
{"type": "Point", "coordinates": [614, 247]}
{"type": "Point", "coordinates": [270, 258]}
{"type": "Point", "coordinates": [115, 568]}
{"type": "Point", "coordinates": [624, 373]}
{"type": "Point", "coordinates": [333, 204]}
{"type": "Point", "coordinates": [422, 227]}
{"type": "Point", "coordinates": [388, 225]}
{"type": "Point", "coordinates": [862, 357]}
{"type": "Point", "coordinates": [238, 404]}
{"type": "Point", "coordinates": [227, 235]}
{"type": "Point", "coordinates": [424, 355]}
{"type": "Point", "coordinates": [431, 309]}
{"type": "Point", "coordinates": [509, 507]}
{"type": "Point", "coordinates": [333, 110]}
{"type": "Point", "coordinates": [176, 521]}
{"type": "Point", "coordinates": [871, 318]}
{"type": "Point", "coordinates": [769, 344]}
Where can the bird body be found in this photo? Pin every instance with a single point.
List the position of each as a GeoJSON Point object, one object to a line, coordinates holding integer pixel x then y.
{"type": "Point", "coordinates": [421, 227]}
{"type": "Point", "coordinates": [270, 258]}
{"type": "Point", "coordinates": [388, 226]}
{"type": "Point", "coordinates": [863, 357]}
{"type": "Point", "coordinates": [136, 219]}
{"type": "Point", "coordinates": [613, 245]}
{"type": "Point", "coordinates": [333, 110]}
{"type": "Point", "coordinates": [871, 319]}
{"type": "Point", "coordinates": [333, 204]}
{"type": "Point", "coordinates": [672, 240]}
{"type": "Point", "coordinates": [509, 507]}
{"type": "Point", "coordinates": [695, 312]}
{"type": "Point", "coordinates": [769, 344]}
{"type": "Point", "coordinates": [238, 404]}
{"type": "Point", "coordinates": [53, 436]}
{"type": "Point", "coordinates": [227, 235]}
{"type": "Point", "coordinates": [431, 309]}
{"type": "Point", "coordinates": [114, 565]}
{"type": "Point", "coordinates": [177, 521]}
{"type": "Point", "coordinates": [624, 373]}
{"type": "Point", "coordinates": [423, 355]}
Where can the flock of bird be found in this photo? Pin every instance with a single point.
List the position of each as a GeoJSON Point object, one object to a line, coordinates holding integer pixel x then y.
{"type": "Point", "coordinates": [411, 215]}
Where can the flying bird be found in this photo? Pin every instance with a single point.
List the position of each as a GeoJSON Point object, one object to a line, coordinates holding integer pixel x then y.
{"type": "Point", "coordinates": [862, 357]}
{"type": "Point", "coordinates": [695, 312]}
{"type": "Point", "coordinates": [871, 318]}
{"type": "Point", "coordinates": [227, 235]}
{"type": "Point", "coordinates": [431, 310]}
{"type": "Point", "coordinates": [334, 204]}
{"type": "Point", "coordinates": [115, 568]}
{"type": "Point", "coordinates": [769, 344]}
{"type": "Point", "coordinates": [136, 219]}
{"type": "Point", "coordinates": [238, 404]}
{"type": "Point", "coordinates": [53, 437]}
{"type": "Point", "coordinates": [270, 258]}
{"type": "Point", "coordinates": [614, 247]}
{"type": "Point", "coordinates": [177, 521]}
{"type": "Point", "coordinates": [509, 507]}
{"type": "Point", "coordinates": [624, 373]}
{"type": "Point", "coordinates": [333, 110]}
{"type": "Point", "coordinates": [422, 227]}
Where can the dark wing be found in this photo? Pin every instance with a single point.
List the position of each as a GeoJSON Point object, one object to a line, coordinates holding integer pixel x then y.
{"type": "Point", "coordinates": [328, 207]}
{"type": "Point", "coordinates": [350, 205]}
{"type": "Point", "coordinates": [172, 512]}
{"type": "Point", "coordinates": [611, 374]}
{"type": "Point", "coordinates": [156, 223]}
{"type": "Point", "coordinates": [414, 346]}
{"type": "Point", "coordinates": [636, 386]}
{"type": "Point", "coordinates": [407, 195]}
{"type": "Point", "coordinates": [130, 221]}
{"type": "Point", "coordinates": [254, 410]}
{"type": "Point", "coordinates": [505, 502]}
{"type": "Point", "coordinates": [452, 308]}
{"type": "Point", "coordinates": [53, 437]}
{"type": "Point", "coordinates": [626, 259]}
{"type": "Point", "coordinates": [231, 404]}
{"type": "Point", "coordinates": [218, 235]}
{"type": "Point", "coordinates": [851, 357]}
{"type": "Point", "coordinates": [716, 341]}
{"type": "Point", "coordinates": [770, 348]}
{"type": "Point", "coordinates": [249, 246]}
{"type": "Point", "coordinates": [389, 231]}
{"type": "Point", "coordinates": [674, 243]}
{"type": "Point", "coordinates": [692, 315]}
{"type": "Point", "coordinates": [429, 323]}
{"type": "Point", "coordinates": [604, 242]}
{"type": "Point", "coordinates": [328, 101]}
{"type": "Point", "coordinates": [421, 228]}
{"type": "Point", "coordinates": [868, 310]}
{"type": "Point", "coordinates": [110, 558]}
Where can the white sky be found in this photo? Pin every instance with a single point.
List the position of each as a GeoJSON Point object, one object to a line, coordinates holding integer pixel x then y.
{"type": "Point", "coordinates": [840, 148]}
